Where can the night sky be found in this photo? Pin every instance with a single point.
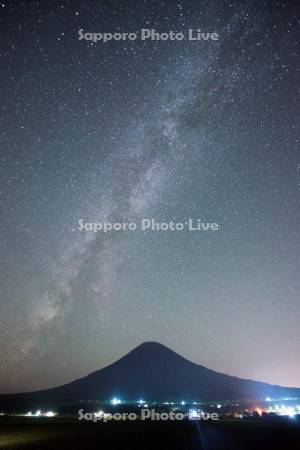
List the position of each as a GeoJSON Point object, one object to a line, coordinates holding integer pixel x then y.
{"type": "Point", "coordinates": [170, 130]}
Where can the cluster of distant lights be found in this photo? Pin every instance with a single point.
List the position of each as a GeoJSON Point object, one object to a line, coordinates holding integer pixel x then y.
{"type": "Point", "coordinates": [116, 401]}
{"type": "Point", "coordinates": [280, 410]}
{"type": "Point", "coordinates": [270, 399]}
{"type": "Point", "coordinates": [283, 410]}
{"type": "Point", "coordinates": [39, 413]}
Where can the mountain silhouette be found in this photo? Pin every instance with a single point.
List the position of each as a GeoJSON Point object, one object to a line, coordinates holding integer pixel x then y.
{"type": "Point", "coordinates": [155, 373]}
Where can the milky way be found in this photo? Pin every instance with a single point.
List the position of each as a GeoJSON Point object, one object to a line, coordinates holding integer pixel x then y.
{"type": "Point", "coordinates": [121, 131]}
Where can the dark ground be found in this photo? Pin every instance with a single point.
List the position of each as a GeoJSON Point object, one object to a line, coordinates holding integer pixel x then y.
{"type": "Point", "coordinates": [59, 434]}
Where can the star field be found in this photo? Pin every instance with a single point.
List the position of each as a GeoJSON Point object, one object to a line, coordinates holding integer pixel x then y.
{"type": "Point", "coordinates": [171, 130]}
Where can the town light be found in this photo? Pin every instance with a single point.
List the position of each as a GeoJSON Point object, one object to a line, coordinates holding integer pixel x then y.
{"type": "Point", "coordinates": [50, 414]}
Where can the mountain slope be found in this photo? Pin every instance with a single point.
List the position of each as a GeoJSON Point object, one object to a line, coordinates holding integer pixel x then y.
{"type": "Point", "coordinates": [154, 372]}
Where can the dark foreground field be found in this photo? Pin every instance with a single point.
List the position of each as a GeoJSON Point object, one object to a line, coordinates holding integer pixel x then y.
{"type": "Point", "coordinates": [58, 434]}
